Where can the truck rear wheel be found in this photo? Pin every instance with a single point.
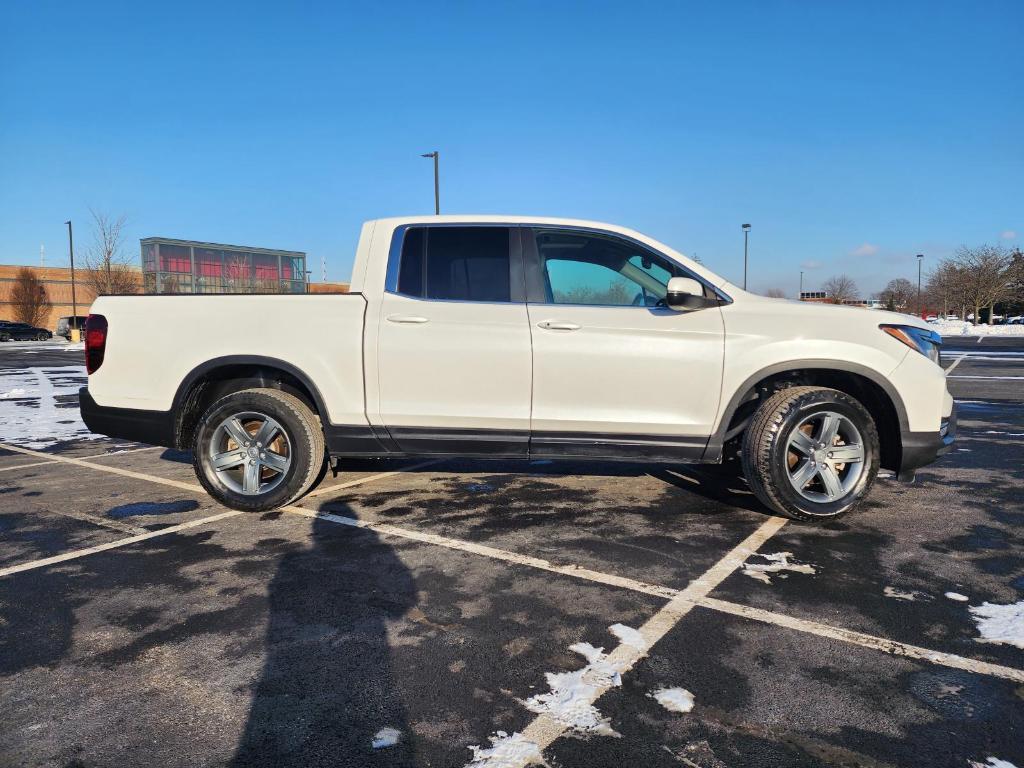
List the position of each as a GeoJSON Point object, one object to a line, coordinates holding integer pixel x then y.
{"type": "Point", "coordinates": [811, 453]}
{"type": "Point", "coordinates": [258, 449]}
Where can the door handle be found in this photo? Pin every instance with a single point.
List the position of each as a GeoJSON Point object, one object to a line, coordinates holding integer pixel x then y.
{"type": "Point", "coordinates": [406, 319]}
{"type": "Point", "coordinates": [551, 325]}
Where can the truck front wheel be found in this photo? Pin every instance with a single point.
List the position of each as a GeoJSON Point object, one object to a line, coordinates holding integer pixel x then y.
{"type": "Point", "coordinates": [811, 453]}
{"type": "Point", "coordinates": [258, 449]}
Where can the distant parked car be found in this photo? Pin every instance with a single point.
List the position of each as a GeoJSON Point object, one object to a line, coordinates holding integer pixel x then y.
{"type": "Point", "coordinates": [22, 332]}
{"type": "Point", "coordinates": [64, 325]}
{"type": "Point", "coordinates": [932, 319]}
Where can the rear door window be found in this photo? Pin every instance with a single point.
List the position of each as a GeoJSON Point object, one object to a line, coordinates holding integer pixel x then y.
{"type": "Point", "coordinates": [456, 264]}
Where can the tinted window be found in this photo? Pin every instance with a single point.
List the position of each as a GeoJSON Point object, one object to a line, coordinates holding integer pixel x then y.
{"type": "Point", "coordinates": [593, 269]}
{"type": "Point", "coordinates": [455, 263]}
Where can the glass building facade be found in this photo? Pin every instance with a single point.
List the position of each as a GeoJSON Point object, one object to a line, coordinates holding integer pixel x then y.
{"type": "Point", "coordinates": [187, 266]}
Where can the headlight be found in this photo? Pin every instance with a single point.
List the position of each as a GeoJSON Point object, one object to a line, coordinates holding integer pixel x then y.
{"type": "Point", "coordinates": [924, 341]}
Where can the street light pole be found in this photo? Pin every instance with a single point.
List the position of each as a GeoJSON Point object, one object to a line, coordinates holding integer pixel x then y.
{"type": "Point", "coordinates": [74, 300]}
{"type": "Point", "coordinates": [746, 232]}
{"type": "Point", "coordinates": [920, 258]}
{"type": "Point", "coordinates": [800, 296]}
{"type": "Point", "coordinates": [437, 185]}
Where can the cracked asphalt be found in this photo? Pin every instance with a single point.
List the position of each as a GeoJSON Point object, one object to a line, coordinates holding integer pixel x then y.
{"type": "Point", "coordinates": [436, 600]}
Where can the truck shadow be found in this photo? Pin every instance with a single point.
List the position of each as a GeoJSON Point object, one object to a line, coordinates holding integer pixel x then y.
{"type": "Point", "coordinates": [326, 689]}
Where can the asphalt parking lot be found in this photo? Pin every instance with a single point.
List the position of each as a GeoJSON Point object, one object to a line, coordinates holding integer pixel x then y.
{"type": "Point", "coordinates": [459, 611]}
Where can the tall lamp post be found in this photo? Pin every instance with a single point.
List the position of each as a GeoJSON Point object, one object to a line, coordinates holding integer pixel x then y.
{"type": "Point", "coordinates": [437, 187]}
{"type": "Point", "coordinates": [800, 296]}
{"type": "Point", "coordinates": [920, 258]}
{"type": "Point", "coordinates": [74, 300]}
{"type": "Point", "coordinates": [746, 233]}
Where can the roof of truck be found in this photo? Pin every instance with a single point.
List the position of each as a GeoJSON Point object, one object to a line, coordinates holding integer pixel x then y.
{"type": "Point", "coordinates": [480, 218]}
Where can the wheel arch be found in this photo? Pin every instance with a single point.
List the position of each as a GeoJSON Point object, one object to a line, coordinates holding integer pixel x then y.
{"type": "Point", "coordinates": [875, 392]}
{"type": "Point", "coordinates": [219, 376]}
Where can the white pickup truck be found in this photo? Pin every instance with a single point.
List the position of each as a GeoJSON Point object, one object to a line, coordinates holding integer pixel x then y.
{"type": "Point", "coordinates": [516, 337]}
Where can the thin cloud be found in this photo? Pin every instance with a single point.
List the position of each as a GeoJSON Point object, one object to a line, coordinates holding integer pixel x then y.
{"type": "Point", "coordinates": [865, 249]}
{"type": "Point", "coordinates": [810, 264]}
{"type": "Point", "coordinates": [1008, 234]}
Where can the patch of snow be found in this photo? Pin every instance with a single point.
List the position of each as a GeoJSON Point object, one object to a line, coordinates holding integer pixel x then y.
{"type": "Point", "coordinates": [16, 392]}
{"type": "Point", "coordinates": [40, 421]}
{"type": "Point", "coordinates": [992, 762]}
{"type": "Point", "coordinates": [506, 752]}
{"type": "Point", "coordinates": [76, 347]}
{"type": "Point", "coordinates": [628, 636]}
{"type": "Point", "coordinates": [386, 737]}
{"type": "Point", "coordinates": [779, 561]}
{"type": "Point", "coordinates": [1000, 623]}
{"type": "Point", "coordinates": [674, 699]}
{"type": "Point", "coordinates": [570, 700]}
{"type": "Point", "coordinates": [899, 594]}
{"type": "Point", "coordinates": [957, 596]}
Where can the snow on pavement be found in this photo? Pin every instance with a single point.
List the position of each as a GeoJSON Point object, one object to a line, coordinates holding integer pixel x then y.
{"type": "Point", "coordinates": [569, 700]}
{"type": "Point", "coordinates": [628, 636]}
{"type": "Point", "coordinates": [992, 762]}
{"type": "Point", "coordinates": [386, 737]}
{"type": "Point", "coordinates": [1000, 623]}
{"type": "Point", "coordinates": [506, 751]}
{"type": "Point", "coordinates": [674, 699]}
{"type": "Point", "coordinates": [31, 415]}
{"type": "Point", "coordinates": [779, 561]}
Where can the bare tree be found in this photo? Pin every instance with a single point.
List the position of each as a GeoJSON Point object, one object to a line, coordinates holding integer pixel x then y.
{"type": "Point", "coordinates": [840, 289]}
{"type": "Point", "coordinates": [947, 285]}
{"type": "Point", "coordinates": [29, 298]}
{"type": "Point", "coordinates": [986, 273]}
{"type": "Point", "coordinates": [897, 294]}
{"type": "Point", "coordinates": [1015, 299]}
{"type": "Point", "coordinates": [108, 269]}
{"type": "Point", "coordinates": [775, 293]}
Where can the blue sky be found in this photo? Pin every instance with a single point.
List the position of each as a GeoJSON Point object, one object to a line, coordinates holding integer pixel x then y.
{"type": "Point", "coordinates": [850, 135]}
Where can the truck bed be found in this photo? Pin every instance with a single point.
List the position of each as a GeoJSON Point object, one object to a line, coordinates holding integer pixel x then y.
{"type": "Point", "coordinates": [155, 342]}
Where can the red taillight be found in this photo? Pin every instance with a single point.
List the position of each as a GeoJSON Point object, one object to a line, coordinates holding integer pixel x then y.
{"type": "Point", "coordinates": [95, 341]}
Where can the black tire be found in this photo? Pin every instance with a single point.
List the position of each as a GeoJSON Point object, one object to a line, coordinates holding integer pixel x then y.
{"type": "Point", "coordinates": [41, 337]}
{"type": "Point", "coordinates": [304, 434]}
{"type": "Point", "coordinates": [766, 456]}
{"type": "Point", "coordinates": [4, 337]}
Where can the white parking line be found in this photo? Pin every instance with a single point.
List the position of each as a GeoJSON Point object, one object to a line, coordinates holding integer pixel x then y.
{"type": "Point", "coordinates": [491, 552]}
{"type": "Point", "coordinates": [893, 647]}
{"type": "Point", "coordinates": [543, 730]}
{"type": "Point", "coordinates": [75, 554]}
{"type": "Point", "coordinates": [103, 468]}
{"type": "Point", "coordinates": [329, 488]}
{"type": "Point", "coordinates": [26, 466]}
{"type": "Point", "coordinates": [801, 625]}
{"type": "Point", "coordinates": [105, 454]}
{"type": "Point", "coordinates": [152, 479]}
{"type": "Point", "coordinates": [1005, 378]}
{"type": "Point", "coordinates": [955, 363]}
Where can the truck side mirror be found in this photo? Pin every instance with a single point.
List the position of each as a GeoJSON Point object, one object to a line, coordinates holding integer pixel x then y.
{"type": "Point", "coordinates": [686, 295]}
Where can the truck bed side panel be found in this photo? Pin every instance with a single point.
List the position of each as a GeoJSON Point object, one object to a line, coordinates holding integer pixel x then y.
{"type": "Point", "coordinates": [154, 342]}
